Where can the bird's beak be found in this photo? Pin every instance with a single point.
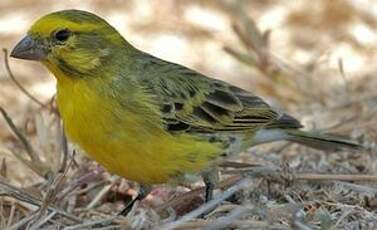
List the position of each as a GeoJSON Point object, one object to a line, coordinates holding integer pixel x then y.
{"type": "Point", "coordinates": [30, 49]}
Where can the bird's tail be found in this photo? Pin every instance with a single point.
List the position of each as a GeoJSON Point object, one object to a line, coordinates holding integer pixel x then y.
{"type": "Point", "coordinates": [312, 139]}
{"type": "Point", "coordinates": [320, 141]}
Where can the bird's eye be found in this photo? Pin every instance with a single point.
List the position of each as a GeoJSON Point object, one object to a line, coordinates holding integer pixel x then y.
{"type": "Point", "coordinates": [62, 35]}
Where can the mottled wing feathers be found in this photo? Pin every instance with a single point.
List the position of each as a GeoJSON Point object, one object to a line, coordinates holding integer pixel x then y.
{"type": "Point", "coordinates": [193, 102]}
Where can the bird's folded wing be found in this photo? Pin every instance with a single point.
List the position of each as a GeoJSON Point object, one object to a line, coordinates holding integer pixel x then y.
{"type": "Point", "coordinates": [192, 102]}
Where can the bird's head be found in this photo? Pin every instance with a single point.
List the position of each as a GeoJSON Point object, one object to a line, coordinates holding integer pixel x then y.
{"type": "Point", "coordinates": [71, 42]}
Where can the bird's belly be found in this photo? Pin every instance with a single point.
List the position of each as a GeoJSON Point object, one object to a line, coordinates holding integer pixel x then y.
{"type": "Point", "coordinates": [149, 160]}
{"type": "Point", "coordinates": [128, 146]}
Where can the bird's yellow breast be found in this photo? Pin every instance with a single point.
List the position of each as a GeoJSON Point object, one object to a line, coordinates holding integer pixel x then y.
{"type": "Point", "coordinates": [125, 142]}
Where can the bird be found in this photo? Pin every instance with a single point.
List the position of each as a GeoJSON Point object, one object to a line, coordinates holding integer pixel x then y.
{"type": "Point", "coordinates": [146, 119]}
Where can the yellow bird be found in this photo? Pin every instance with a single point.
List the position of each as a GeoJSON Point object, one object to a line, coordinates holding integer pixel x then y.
{"type": "Point", "coordinates": [146, 119]}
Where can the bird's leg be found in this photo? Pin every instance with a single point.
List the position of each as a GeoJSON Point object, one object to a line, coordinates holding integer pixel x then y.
{"type": "Point", "coordinates": [209, 190]}
{"type": "Point", "coordinates": [144, 190]}
{"type": "Point", "coordinates": [210, 178]}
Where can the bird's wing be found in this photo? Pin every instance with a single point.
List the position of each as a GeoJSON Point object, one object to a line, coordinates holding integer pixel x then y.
{"type": "Point", "coordinates": [190, 101]}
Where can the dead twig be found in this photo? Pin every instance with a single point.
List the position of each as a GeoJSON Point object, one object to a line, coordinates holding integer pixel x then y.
{"type": "Point", "coordinates": [339, 177]}
{"type": "Point", "coordinates": [224, 222]}
{"type": "Point", "coordinates": [3, 168]}
{"type": "Point", "coordinates": [104, 222]}
{"type": "Point", "coordinates": [19, 194]}
{"type": "Point", "coordinates": [18, 84]}
{"type": "Point", "coordinates": [237, 224]}
{"type": "Point", "coordinates": [11, 215]}
{"type": "Point", "coordinates": [43, 221]}
{"type": "Point", "coordinates": [102, 193]}
{"type": "Point", "coordinates": [35, 162]}
{"type": "Point", "coordinates": [210, 205]}
{"type": "Point", "coordinates": [29, 149]}
{"type": "Point", "coordinates": [22, 222]}
{"type": "Point", "coordinates": [278, 174]}
{"type": "Point", "coordinates": [64, 145]}
{"type": "Point", "coordinates": [49, 198]}
{"type": "Point", "coordinates": [89, 177]}
{"type": "Point", "coordinates": [344, 77]}
{"type": "Point", "coordinates": [176, 201]}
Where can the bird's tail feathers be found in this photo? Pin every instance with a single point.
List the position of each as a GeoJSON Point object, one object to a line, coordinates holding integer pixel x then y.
{"type": "Point", "coordinates": [321, 141]}
{"type": "Point", "coordinates": [328, 142]}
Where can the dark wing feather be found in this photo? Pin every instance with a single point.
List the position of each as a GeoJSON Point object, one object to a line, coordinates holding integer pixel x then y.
{"type": "Point", "coordinates": [190, 101]}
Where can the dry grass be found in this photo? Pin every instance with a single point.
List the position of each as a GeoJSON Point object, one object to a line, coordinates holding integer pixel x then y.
{"type": "Point", "coordinates": [307, 68]}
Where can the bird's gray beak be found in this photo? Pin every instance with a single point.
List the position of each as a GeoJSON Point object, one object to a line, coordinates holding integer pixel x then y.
{"type": "Point", "coordinates": [29, 49]}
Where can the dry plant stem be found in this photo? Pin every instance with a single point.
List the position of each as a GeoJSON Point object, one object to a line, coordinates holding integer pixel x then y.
{"type": "Point", "coordinates": [52, 191]}
{"type": "Point", "coordinates": [247, 59]}
{"type": "Point", "coordinates": [253, 37]}
{"type": "Point", "coordinates": [11, 75]}
{"type": "Point", "coordinates": [64, 145]}
{"type": "Point", "coordinates": [89, 224]}
{"type": "Point", "coordinates": [358, 188]}
{"type": "Point", "coordinates": [111, 227]}
{"type": "Point", "coordinates": [225, 208]}
{"type": "Point", "coordinates": [35, 163]}
{"type": "Point", "coordinates": [301, 226]}
{"type": "Point", "coordinates": [89, 177]}
{"type": "Point", "coordinates": [29, 149]}
{"type": "Point", "coordinates": [344, 77]}
{"type": "Point", "coordinates": [18, 194]}
{"type": "Point", "coordinates": [210, 205]}
{"type": "Point", "coordinates": [22, 222]}
{"type": "Point", "coordinates": [340, 177]}
{"type": "Point", "coordinates": [278, 174]}
{"type": "Point", "coordinates": [71, 203]}
{"type": "Point", "coordinates": [225, 221]}
{"type": "Point", "coordinates": [3, 168]}
{"type": "Point", "coordinates": [342, 217]}
{"type": "Point", "coordinates": [54, 187]}
{"type": "Point", "coordinates": [233, 164]}
{"type": "Point", "coordinates": [102, 193]}
{"type": "Point", "coordinates": [255, 42]}
{"type": "Point", "coordinates": [91, 186]}
{"type": "Point", "coordinates": [39, 224]}
{"type": "Point", "coordinates": [11, 215]}
{"type": "Point", "coordinates": [176, 201]}
{"type": "Point", "coordinates": [237, 224]}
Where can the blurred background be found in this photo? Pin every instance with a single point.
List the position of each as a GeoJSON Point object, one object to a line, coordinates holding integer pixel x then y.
{"type": "Point", "coordinates": [312, 59]}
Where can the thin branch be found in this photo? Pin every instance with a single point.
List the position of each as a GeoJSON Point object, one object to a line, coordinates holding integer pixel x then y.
{"type": "Point", "coordinates": [35, 163]}
{"type": "Point", "coordinates": [39, 224]}
{"type": "Point", "coordinates": [102, 193]}
{"type": "Point", "coordinates": [87, 225]}
{"type": "Point", "coordinates": [363, 189]}
{"type": "Point", "coordinates": [18, 194]}
{"type": "Point", "coordinates": [210, 205]}
{"type": "Point", "coordinates": [18, 84]}
{"type": "Point", "coordinates": [29, 149]}
{"type": "Point", "coordinates": [64, 145]}
{"type": "Point", "coordinates": [11, 215]}
{"type": "Point", "coordinates": [278, 174]}
{"type": "Point", "coordinates": [340, 177]}
{"type": "Point", "coordinates": [226, 221]}
{"type": "Point", "coordinates": [344, 77]}
{"type": "Point", "coordinates": [22, 222]}
{"type": "Point", "coordinates": [238, 224]}
{"type": "Point", "coordinates": [89, 177]}
{"type": "Point", "coordinates": [234, 164]}
{"type": "Point", "coordinates": [176, 201]}
{"type": "Point", "coordinates": [3, 168]}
